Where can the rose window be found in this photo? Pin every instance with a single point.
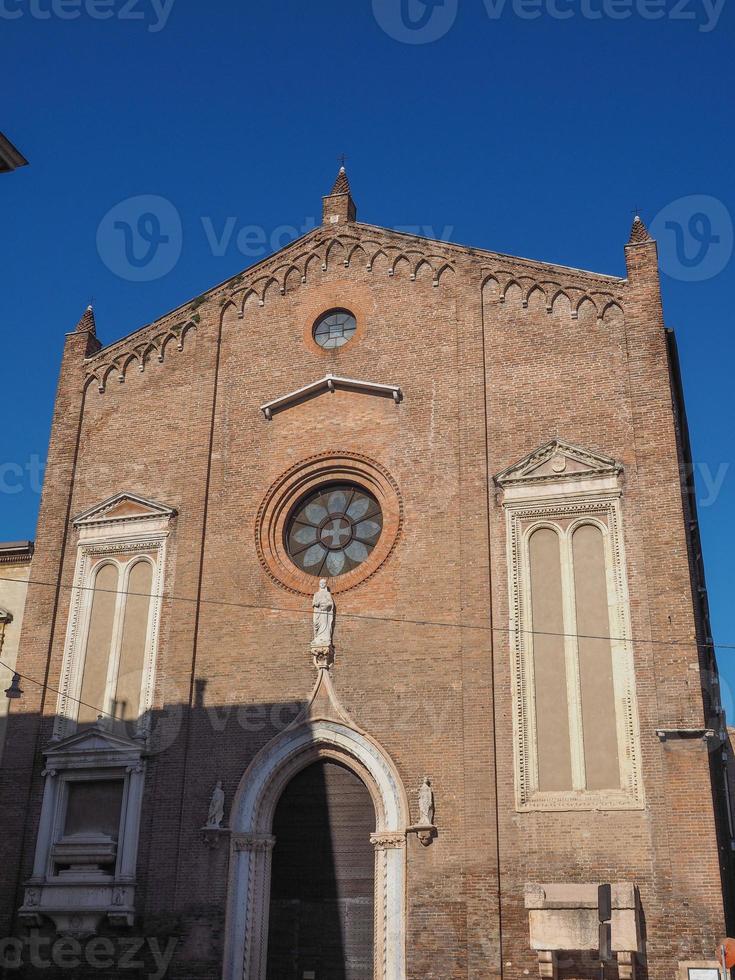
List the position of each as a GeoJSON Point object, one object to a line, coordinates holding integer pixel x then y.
{"type": "Point", "coordinates": [333, 529]}
{"type": "Point", "coordinates": [334, 329]}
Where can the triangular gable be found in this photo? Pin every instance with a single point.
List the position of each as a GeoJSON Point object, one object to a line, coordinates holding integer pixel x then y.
{"type": "Point", "coordinates": [123, 507]}
{"type": "Point", "coordinates": [558, 461]}
{"type": "Point", "coordinates": [96, 742]}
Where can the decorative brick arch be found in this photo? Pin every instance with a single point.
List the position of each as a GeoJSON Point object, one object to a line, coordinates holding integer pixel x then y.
{"type": "Point", "coordinates": [248, 898]}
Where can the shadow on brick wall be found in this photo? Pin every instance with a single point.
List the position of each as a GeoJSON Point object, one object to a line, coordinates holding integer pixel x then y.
{"type": "Point", "coordinates": [321, 908]}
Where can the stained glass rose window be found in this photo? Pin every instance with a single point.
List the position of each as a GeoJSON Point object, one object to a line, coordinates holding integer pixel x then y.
{"type": "Point", "coordinates": [333, 529]}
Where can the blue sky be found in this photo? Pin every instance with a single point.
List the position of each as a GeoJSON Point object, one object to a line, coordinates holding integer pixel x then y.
{"type": "Point", "coordinates": [532, 127]}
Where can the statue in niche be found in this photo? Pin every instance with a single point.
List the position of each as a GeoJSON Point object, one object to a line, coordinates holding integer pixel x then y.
{"type": "Point", "coordinates": [323, 606]}
{"type": "Point", "coordinates": [426, 803]}
{"type": "Point", "coordinates": [216, 807]}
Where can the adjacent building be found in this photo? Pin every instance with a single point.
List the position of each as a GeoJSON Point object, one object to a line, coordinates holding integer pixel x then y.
{"type": "Point", "coordinates": [10, 157]}
{"type": "Point", "coordinates": [15, 568]}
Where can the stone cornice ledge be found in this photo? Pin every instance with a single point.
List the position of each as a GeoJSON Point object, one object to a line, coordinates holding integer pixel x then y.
{"type": "Point", "coordinates": [703, 734]}
{"type": "Point", "coordinates": [330, 382]}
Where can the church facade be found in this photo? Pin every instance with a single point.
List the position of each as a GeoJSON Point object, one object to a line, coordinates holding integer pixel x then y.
{"type": "Point", "coordinates": [369, 619]}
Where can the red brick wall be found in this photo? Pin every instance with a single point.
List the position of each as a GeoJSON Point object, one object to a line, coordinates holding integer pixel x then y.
{"type": "Point", "coordinates": [485, 382]}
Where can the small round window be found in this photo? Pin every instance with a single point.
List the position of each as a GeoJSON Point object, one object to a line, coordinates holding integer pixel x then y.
{"type": "Point", "coordinates": [334, 329]}
{"type": "Point", "coordinates": [333, 529]}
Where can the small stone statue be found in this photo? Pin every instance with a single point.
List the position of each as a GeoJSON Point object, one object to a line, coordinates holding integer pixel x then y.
{"type": "Point", "coordinates": [426, 803]}
{"type": "Point", "coordinates": [216, 807]}
{"type": "Point", "coordinates": [323, 606]}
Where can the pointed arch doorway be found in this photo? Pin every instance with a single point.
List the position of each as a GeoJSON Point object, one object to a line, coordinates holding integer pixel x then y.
{"type": "Point", "coordinates": [320, 922]}
{"type": "Point", "coordinates": [253, 822]}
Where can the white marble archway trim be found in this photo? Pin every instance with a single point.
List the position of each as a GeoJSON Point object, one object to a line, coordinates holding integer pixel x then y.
{"type": "Point", "coordinates": [246, 931]}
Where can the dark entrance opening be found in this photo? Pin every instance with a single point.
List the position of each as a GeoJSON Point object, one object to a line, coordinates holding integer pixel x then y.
{"type": "Point", "coordinates": [322, 879]}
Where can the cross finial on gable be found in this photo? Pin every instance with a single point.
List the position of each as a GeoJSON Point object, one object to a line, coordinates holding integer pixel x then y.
{"type": "Point", "coordinates": [338, 206]}
{"type": "Point", "coordinates": [87, 324]}
{"type": "Point", "coordinates": [638, 232]}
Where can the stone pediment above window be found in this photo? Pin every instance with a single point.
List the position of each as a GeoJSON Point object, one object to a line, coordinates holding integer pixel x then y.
{"type": "Point", "coordinates": [123, 514]}
{"type": "Point", "coordinates": [86, 849]}
{"type": "Point", "coordinates": [559, 467]}
{"type": "Point", "coordinates": [94, 746]}
{"type": "Point", "coordinates": [330, 383]}
{"type": "Point", "coordinates": [123, 507]}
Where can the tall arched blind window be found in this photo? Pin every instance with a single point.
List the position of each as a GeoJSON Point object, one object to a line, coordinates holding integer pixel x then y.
{"type": "Point", "coordinates": [549, 658]}
{"type": "Point", "coordinates": [114, 658]}
{"type": "Point", "coordinates": [574, 695]}
{"type": "Point", "coordinates": [99, 644]}
{"type": "Point", "coordinates": [575, 717]}
{"type": "Point", "coordinates": [597, 693]}
{"type": "Point", "coordinates": [133, 642]}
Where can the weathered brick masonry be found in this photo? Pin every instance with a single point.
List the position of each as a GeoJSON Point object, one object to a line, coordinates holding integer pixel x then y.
{"type": "Point", "coordinates": [495, 356]}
